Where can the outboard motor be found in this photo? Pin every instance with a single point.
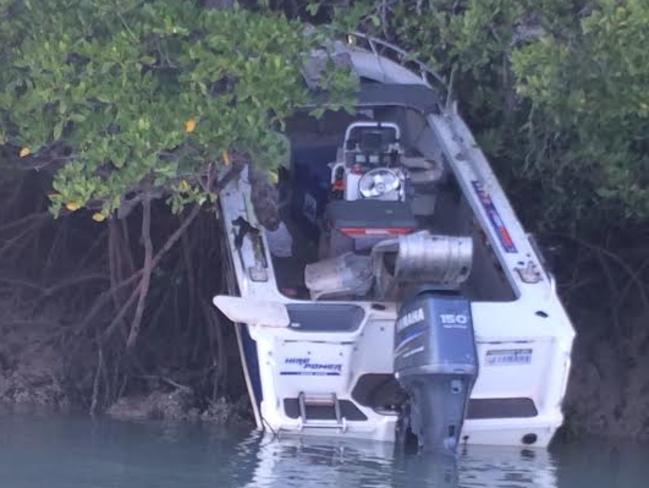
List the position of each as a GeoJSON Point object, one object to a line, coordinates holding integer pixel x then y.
{"type": "Point", "coordinates": [435, 361]}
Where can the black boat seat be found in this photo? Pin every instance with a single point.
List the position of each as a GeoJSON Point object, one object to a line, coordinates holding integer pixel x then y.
{"type": "Point", "coordinates": [359, 224]}
{"type": "Point", "coordinates": [370, 214]}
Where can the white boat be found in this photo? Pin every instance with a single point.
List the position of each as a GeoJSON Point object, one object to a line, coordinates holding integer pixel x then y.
{"type": "Point", "coordinates": [414, 304]}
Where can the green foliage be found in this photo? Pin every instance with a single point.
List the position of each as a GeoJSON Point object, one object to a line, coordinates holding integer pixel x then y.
{"type": "Point", "coordinates": [147, 94]}
{"type": "Point", "coordinates": [590, 107]}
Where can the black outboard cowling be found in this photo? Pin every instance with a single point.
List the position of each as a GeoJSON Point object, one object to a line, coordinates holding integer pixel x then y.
{"type": "Point", "coordinates": [435, 361]}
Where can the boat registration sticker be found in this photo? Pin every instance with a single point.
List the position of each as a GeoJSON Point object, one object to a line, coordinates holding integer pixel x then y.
{"type": "Point", "coordinates": [496, 222]}
{"type": "Point", "coordinates": [508, 357]}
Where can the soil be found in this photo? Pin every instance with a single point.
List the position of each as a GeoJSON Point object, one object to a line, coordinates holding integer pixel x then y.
{"type": "Point", "coordinates": [180, 405]}
{"type": "Point", "coordinates": [34, 375]}
{"type": "Point", "coordinates": [608, 390]}
{"type": "Point", "coordinates": [30, 365]}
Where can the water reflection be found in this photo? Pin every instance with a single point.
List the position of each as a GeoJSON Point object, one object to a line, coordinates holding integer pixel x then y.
{"type": "Point", "coordinates": [75, 452]}
{"type": "Point", "coordinates": [307, 462]}
{"type": "Point", "coordinates": [293, 461]}
{"type": "Point", "coordinates": [482, 466]}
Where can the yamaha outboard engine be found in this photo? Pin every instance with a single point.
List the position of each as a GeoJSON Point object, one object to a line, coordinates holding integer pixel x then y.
{"type": "Point", "coordinates": [435, 361]}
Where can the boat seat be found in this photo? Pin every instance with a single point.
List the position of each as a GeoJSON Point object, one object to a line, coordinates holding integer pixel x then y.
{"type": "Point", "coordinates": [343, 214]}
{"type": "Point", "coordinates": [359, 224]}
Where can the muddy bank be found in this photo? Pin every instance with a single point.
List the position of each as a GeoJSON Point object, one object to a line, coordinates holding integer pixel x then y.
{"type": "Point", "coordinates": [36, 374]}
{"type": "Point", "coordinates": [32, 377]}
{"type": "Point", "coordinates": [181, 405]}
{"type": "Point", "coordinates": [31, 366]}
{"type": "Point", "coordinates": [608, 391]}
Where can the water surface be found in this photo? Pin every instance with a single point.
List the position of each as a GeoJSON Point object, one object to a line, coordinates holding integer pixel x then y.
{"type": "Point", "coordinates": [74, 452]}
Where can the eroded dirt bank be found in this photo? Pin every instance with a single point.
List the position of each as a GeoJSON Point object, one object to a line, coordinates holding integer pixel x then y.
{"type": "Point", "coordinates": [36, 373]}
{"type": "Point", "coordinates": [608, 393]}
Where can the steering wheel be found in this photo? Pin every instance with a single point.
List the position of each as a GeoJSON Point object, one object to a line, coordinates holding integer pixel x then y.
{"type": "Point", "coordinates": [378, 182]}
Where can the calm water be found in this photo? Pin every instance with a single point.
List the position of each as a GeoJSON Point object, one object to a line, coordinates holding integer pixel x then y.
{"type": "Point", "coordinates": [74, 452]}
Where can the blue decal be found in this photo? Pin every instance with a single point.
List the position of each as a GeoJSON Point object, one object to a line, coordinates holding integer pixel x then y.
{"type": "Point", "coordinates": [308, 373]}
{"type": "Point", "coordinates": [312, 369]}
{"type": "Point", "coordinates": [494, 217]}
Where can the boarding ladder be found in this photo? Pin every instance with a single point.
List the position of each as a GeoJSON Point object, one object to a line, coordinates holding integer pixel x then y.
{"type": "Point", "coordinates": [320, 402]}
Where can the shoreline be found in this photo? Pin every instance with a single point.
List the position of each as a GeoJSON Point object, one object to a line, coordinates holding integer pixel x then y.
{"type": "Point", "coordinates": [606, 398]}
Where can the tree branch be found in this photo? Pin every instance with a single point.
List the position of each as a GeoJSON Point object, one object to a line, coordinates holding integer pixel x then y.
{"type": "Point", "coordinates": [105, 297]}
{"type": "Point", "coordinates": [147, 269]}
